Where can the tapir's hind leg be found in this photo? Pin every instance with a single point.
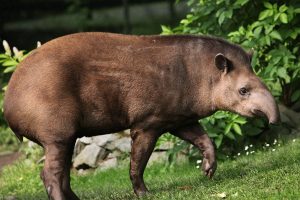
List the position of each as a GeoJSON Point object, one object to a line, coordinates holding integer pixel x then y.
{"type": "Point", "coordinates": [66, 176]}
{"type": "Point", "coordinates": [56, 171]}
{"type": "Point", "coordinates": [142, 146]}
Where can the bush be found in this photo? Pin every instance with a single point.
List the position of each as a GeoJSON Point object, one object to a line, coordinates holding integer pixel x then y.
{"type": "Point", "coordinates": [9, 61]}
{"type": "Point", "coordinates": [271, 30]}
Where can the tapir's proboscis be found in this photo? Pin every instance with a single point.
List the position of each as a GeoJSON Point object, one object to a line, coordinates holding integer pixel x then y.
{"type": "Point", "coordinates": [90, 84]}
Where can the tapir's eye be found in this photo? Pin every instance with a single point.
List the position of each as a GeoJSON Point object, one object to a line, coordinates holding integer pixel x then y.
{"type": "Point", "coordinates": [243, 91]}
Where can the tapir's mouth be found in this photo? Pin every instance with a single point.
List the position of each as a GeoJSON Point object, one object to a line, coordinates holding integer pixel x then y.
{"type": "Point", "coordinates": [259, 113]}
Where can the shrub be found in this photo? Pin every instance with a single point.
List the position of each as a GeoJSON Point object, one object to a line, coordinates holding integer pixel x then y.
{"type": "Point", "coordinates": [9, 61]}
{"type": "Point", "coordinates": [271, 30]}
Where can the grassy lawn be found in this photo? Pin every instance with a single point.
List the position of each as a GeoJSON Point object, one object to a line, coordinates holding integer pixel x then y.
{"type": "Point", "coordinates": [269, 174]}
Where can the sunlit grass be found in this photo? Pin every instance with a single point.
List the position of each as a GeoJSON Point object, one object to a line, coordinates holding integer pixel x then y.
{"type": "Point", "coordinates": [262, 175]}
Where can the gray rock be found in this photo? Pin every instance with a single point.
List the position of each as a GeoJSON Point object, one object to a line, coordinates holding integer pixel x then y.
{"type": "Point", "coordinates": [123, 144]}
{"type": "Point", "coordinates": [182, 158]}
{"type": "Point", "coordinates": [114, 154]}
{"type": "Point", "coordinates": [86, 140]}
{"type": "Point", "coordinates": [127, 131]}
{"type": "Point", "coordinates": [109, 163]}
{"type": "Point", "coordinates": [102, 140]}
{"type": "Point", "coordinates": [89, 156]}
{"type": "Point", "coordinates": [158, 157]}
{"type": "Point", "coordinates": [79, 146]}
{"type": "Point", "coordinates": [10, 198]}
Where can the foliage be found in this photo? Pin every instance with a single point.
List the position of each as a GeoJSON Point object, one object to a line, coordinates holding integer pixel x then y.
{"type": "Point", "coordinates": [8, 141]}
{"type": "Point", "coordinates": [9, 61]}
{"type": "Point", "coordinates": [271, 29]}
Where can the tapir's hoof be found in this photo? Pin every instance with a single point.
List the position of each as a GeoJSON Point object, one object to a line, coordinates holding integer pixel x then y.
{"type": "Point", "coordinates": [141, 193]}
{"type": "Point", "coordinates": [209, 167]}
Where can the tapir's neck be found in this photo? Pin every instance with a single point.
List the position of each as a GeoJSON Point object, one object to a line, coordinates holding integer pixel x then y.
{"type": "Point", "coordinates": [203, 78]}
{"type": "Point", "coordinates": [204, 101]}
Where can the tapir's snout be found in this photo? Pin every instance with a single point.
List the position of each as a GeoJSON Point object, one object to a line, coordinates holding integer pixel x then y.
{"type": "Point", "coordinates": [266, 106]}
{"type": "Point", "coordinates": [274, 118]}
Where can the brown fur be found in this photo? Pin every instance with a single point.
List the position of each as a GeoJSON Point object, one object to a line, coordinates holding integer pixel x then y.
{"type": "Point", "coordinates": [97, 83]}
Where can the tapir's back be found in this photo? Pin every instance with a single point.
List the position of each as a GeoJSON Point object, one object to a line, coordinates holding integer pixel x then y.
{"type": "Point", "coordinates": [98, 81]}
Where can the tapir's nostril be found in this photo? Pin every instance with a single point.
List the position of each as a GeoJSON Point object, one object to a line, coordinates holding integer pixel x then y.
{"type": "Point", "coordinates": [273, 119]}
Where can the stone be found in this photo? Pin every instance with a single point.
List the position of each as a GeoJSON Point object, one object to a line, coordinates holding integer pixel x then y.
{"type": "Point", "coordinates": [127, 132]}
{"type": "Point", "coordinates": [86, 140]}
{"type": "Point", "coordinates": [123, 144]}
{"type": "Point", "coordinates": [114, 154]}
{"type": "Point", "coordinates": [10, 198]}
{"type": "Point", "coordinates": [102, 140]}
{"type": "Point", "coordinates": [79, 146]}
{"type": "Point", "coordinates": [158, 157]}
{"type": "Point", "coordinates": [89, 157]}
{"type": "Point", "coordinates": [182, 158]}
{"type": "Point", "coordinates": [108, 163]}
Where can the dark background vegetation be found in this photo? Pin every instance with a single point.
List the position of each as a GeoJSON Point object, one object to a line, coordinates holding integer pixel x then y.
{"type": "Point", "coordinates": [24, 22]}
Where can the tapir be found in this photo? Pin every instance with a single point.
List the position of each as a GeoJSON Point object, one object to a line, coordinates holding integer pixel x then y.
{"type": "Point", "coordinates": [94, 83]}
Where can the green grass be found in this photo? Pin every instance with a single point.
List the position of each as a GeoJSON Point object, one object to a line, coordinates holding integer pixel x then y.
{"type": "Point", "coordinates": [8, 141]}
{"type": "Point", "coordinates": [262, 175]}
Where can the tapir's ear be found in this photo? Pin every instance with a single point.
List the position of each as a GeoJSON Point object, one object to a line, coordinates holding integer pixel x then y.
{"type": "Point", "coordinates": [222, 63]}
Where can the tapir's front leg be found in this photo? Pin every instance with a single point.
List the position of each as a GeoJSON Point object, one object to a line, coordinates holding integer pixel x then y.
{"type": "Point", "coordinates": [143, 143]}
{"type": "Point", "coordinates": [198, 137]}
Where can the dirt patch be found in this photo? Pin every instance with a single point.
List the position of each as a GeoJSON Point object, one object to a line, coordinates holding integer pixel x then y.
{"type": "Point", "coordinates": [8, 158]}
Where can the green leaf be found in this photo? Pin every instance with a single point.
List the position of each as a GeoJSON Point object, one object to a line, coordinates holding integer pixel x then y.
{"type": "Point", "coordinates": [4, 56]}
{"type": "Point", "coordinates": [282, 72]}
{"type": "Point", "coordinates": [283, 8]}
{"type": "Point", "coordinates": [221, 18]}
{"type": "Point", "coordinates": [9, 69]}
{"type": "Point", "coordinates": [276, 16]}
{"type": "Point", "coordinates": [294, 35]}
{"type": "Point", "coordinates": [274, 34]}
{"type": "Point", "coordinates": [297, 10]}
{"type": "Point", "coordinates": [264, 14]}
{"type": "Point", "coordinates": [219, 115]}
{"type": "Point", "coordinates": [212, 135]}
{"type": "Point", "coordinates": [237, 129]}
{"type": "Point", "coordinates": [283, 18]}
{"type": "Point", "coordinates": [268, 29]}
{"type": "Point", "coordinates": [184, 21]}
{"type": "Point", "coordinates": [9, 63]}
{"type": "Point", "coordinates": [295, 96]}
{"type": "Point", "coordinates": [268, 40]}
{"type": "Point", "coordinates": [240, 120]}
{"type": "Point", "coordinates": [257, 31]}
{"type": "Point", "coordinates": [230, 135]}
{"type": "Point", "coordinates": [227, 128]}
{"type": "Point", "coordinates": [268, 5]}
{"type": "Point", "coordinates": [166, 30]}
{"type": "Point", "coordinates": [240, 2]}
{"type": "Point", "coordinates": [218, 141]}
